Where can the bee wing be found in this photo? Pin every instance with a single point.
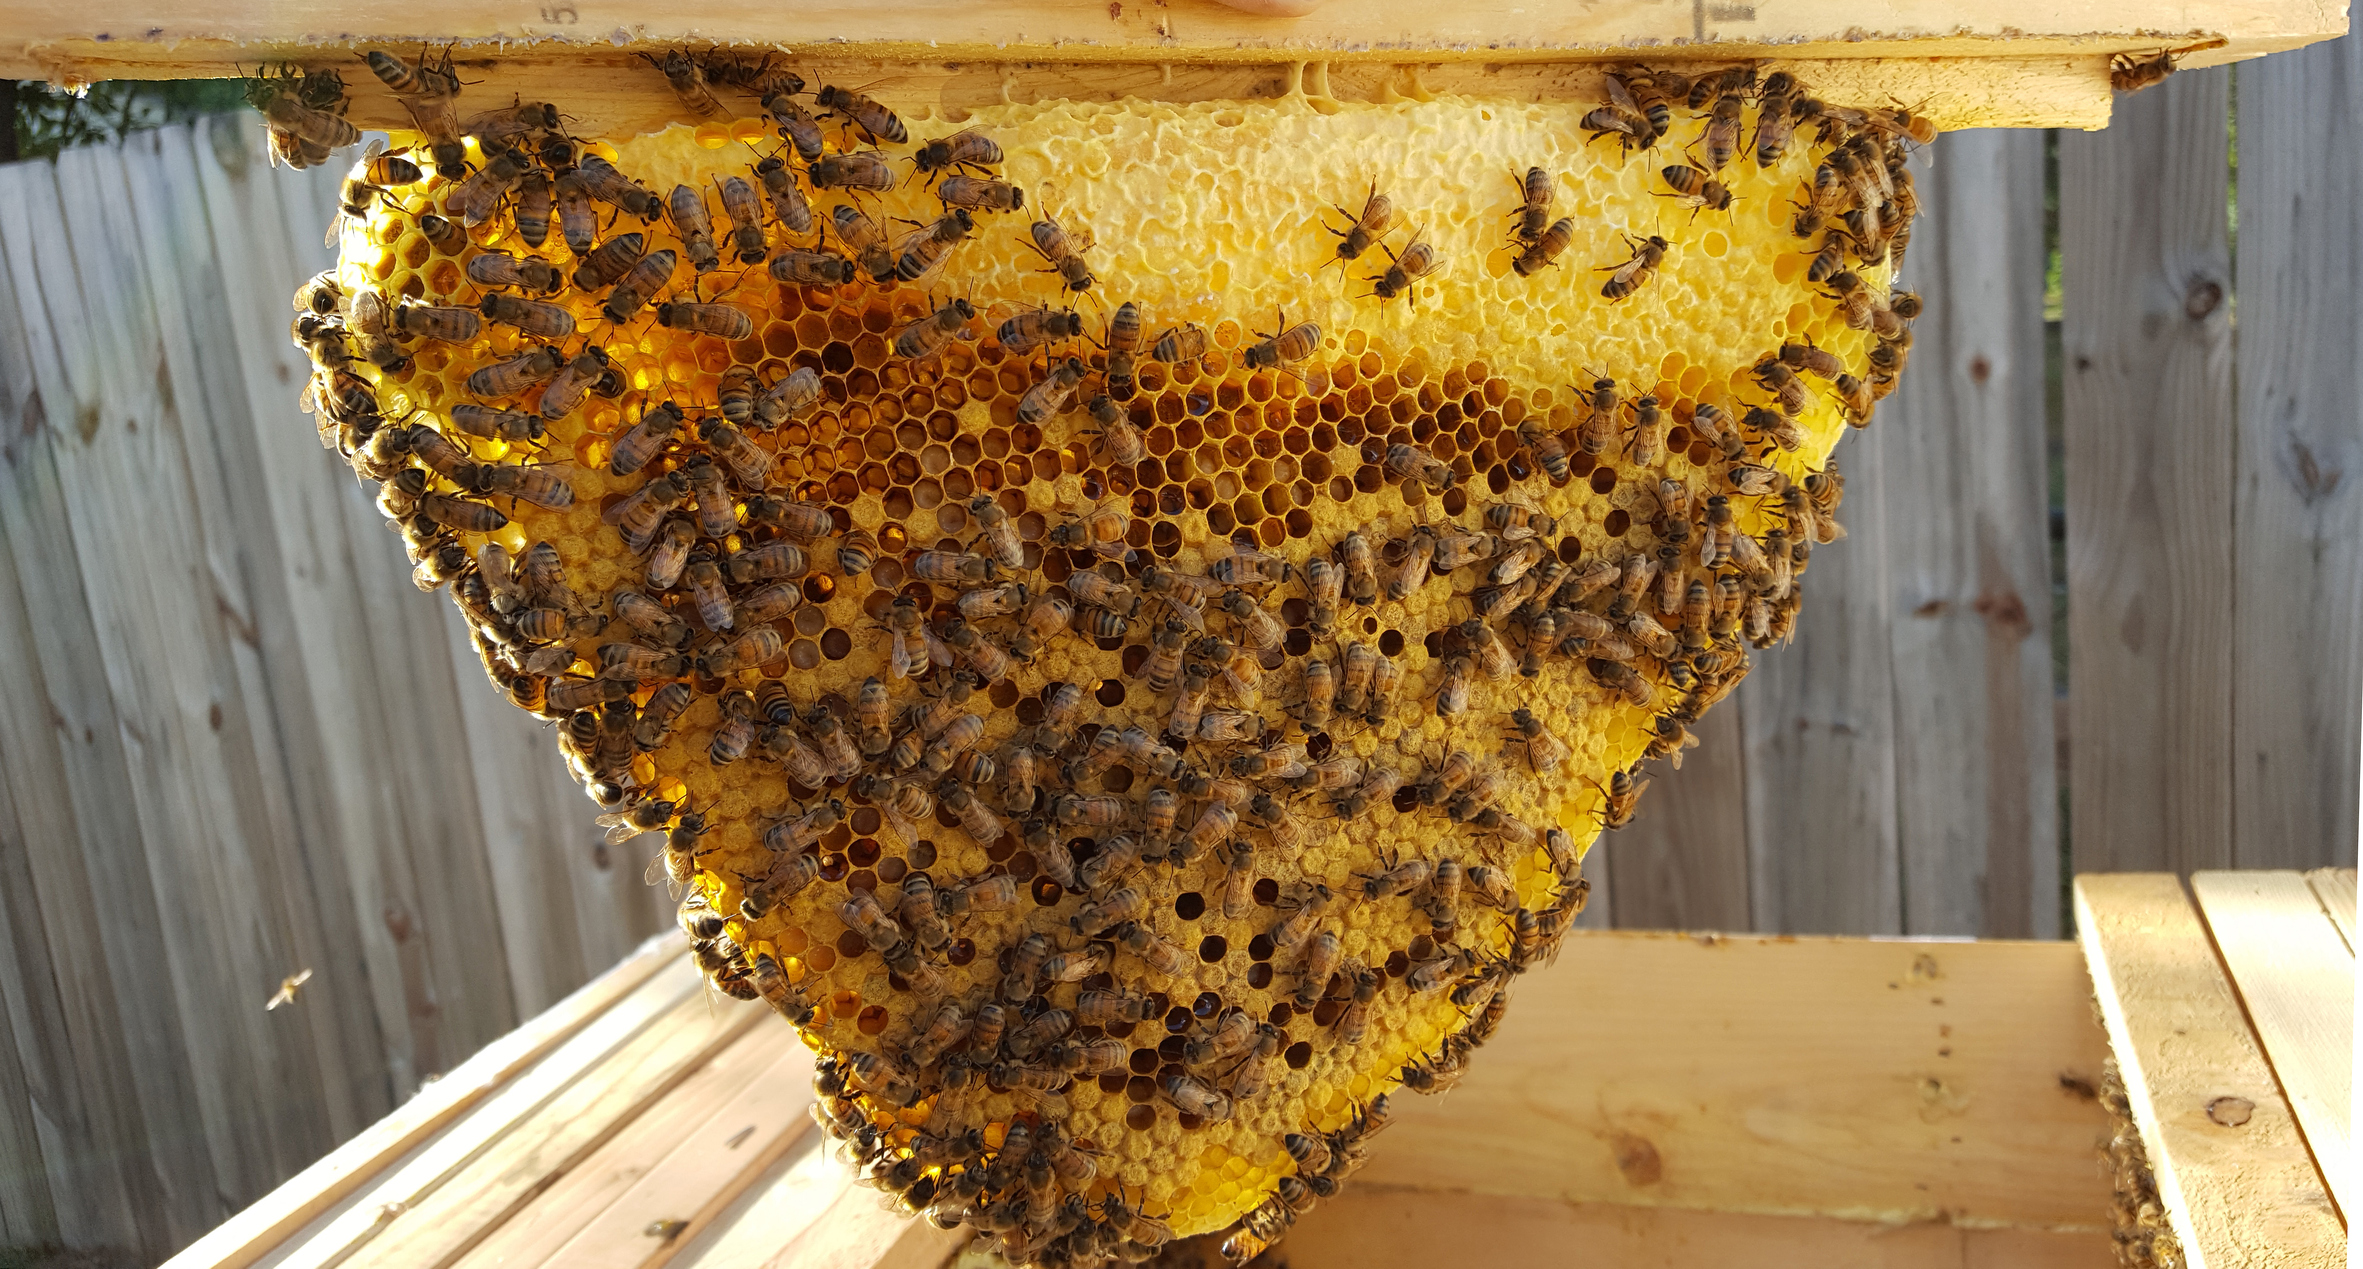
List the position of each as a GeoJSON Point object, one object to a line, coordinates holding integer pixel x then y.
{"type": "Point", "coordinates": [937, 650]}
{"type": "Point", "coordinates": [657, 871]}
{"type": "Point", "coordinates": [1621, 98]}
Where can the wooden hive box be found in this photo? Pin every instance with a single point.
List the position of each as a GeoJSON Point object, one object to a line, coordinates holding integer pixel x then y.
{"type": "Point", "coordinates": [1657, 1099]}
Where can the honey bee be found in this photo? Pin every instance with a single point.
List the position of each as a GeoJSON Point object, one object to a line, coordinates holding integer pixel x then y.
{"type": "Point", "coordinates": [1621, 798]}
{"type": "Point", "coordinates": [922, 253]}
{"type": "Point", "coordinates": [1120, 440]}
{"type": "Point", "coordinates": [980, 193]}
{"type": "Point", "coordinates": [1635, 273]}
{"type": "Point", "coordinates": [1697, 189]}
{"type": "Point", "coordinates": [498, 268]}
{"type": "Point", "coordinates": [814, 268]}
{"type": "Point", "coordinates": [479, 196]}
{"type": "Point", "coordinates": [1620, 118]}
{"type": "Point", "coordinates": [1283, 348]}
{"type": "Point", "coordinates": [2130, 73]}
{"type": "Point", "coordinates": [880, 124]}
{"type": "Point", "coordinates": [1534, 210]}
{"type": "Point", "coordinates": [750, 650]}
{"type": "Point", "coordinates": [1063, 256]}
{"type": "Point", "coordinates": [1378, 212]}
{"type": "Point", "coordinates": [787, 203]}
{"type": "Point", "coordinates": [646, 277]}
{"type": "Point", "coordinates": [1180, 344]}
{"type": "Point", "coordinates": [424, 321]}
{"type": "Point", "coordinates": [1721, 137]}
{"type": "Point", "coordinates": [1550, 452]}
{"type": "Point", "coordinates": [723, 321]}
{"type": "Point", "coordinates": [316, 131]}
{"type": "Point", "coordinates": [1546, 249]}
{"type": "Point", "coordinates": [933, 333]}
{"type": "Point", "coordinates": [540, 485]}
{"type": "Point", "coordinates": [704, 581]}
{"type": "Point", "coordinates": [1412, 461]}
{"type": "Point", "coordinates": [1189, 706]}
{"type": "Point", "coordinates": [861, 171]}
{"type": "Point", "coordinates": [460, 514]}
{"type": "Point", "coordinates": [1623, 679]}
{"type": "Point", "coordinates": [542, 321]}
{"type": "Point", "coordinates": [688, 79]}
{"type": "Point", "coordinates": [791, 398]}
{"type": "Point", "coordinates": [980, 824]}
{"type": "Point", "coordinates": [1159, 955]}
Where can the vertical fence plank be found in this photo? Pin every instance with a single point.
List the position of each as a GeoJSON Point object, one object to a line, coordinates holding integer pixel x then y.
{"type": "Point", "coordinates": [2147, 341]}
{"type": "Point", "coordinates": [1682, 864]}
{"type": "Point", "coordinates": [172, 1175]}
{"type": "Point", "coordinates": [1966, 529]}
{"type": "Point", "coordinates": [2298, 510]}
{"type": "Point", "coordinates": [1819, 720]}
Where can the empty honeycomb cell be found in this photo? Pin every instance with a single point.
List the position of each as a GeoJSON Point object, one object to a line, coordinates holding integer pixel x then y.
{"type": "Point", "coordinates": [1406, 426]}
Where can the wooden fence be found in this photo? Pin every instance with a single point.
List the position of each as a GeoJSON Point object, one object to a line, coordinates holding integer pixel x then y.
{"type": "Point", "coordinates": [237, 743]}
{"type": "Point", "coordinates": [201, 620]}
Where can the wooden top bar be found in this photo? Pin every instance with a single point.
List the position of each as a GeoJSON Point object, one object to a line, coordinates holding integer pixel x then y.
{"type": "Point", "coordinates": [1975, 62]}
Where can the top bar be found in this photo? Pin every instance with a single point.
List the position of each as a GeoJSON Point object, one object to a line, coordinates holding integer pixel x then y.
{"type": "Point", "coordinates": [1976, 62]}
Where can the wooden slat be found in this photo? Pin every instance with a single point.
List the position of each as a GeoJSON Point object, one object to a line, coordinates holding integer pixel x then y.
{"type": "Point", "coordinates": [588, 1191]}
{"type": "Point", "coordinates": [1893, 1081]}
{"type": "Point", "coordinates": [2296, 976]}
{"type": "Point", "coordinates": [2232, 1167]}
{"type": "Point", "coordinates": [628, 990]}
{"type": "Point", "coordinates": [1386, 1225]}
{"type": "Point", "coordinates": [1819, 719]}
{"type": "Point", "coordinates": [1682, 864]}
{"type": "Point", "coordinates": [2298, 475]}
{"type": "Point", "coordinates": [2335, 887]}
{"type": "Point", "coordinates": [2148, 340]}
{"type": "Point", "coordinates": [706, 1173]}
{"type": "Point", "coordinates": [441, 1221]}
{"type": "Point", "coordinates": [1964, 489]}
{"type": "Point", "coordinates": [586, 1061]}
{"type": "Point", "coordinates": [802, 1185]}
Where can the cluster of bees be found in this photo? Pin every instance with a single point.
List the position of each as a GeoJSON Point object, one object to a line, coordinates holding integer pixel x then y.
{"type": "Point", "coordinates": [1259, 669]}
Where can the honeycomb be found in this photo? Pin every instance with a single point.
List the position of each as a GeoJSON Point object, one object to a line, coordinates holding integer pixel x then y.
{"type": "Point", "coordinates": [1121, 641]}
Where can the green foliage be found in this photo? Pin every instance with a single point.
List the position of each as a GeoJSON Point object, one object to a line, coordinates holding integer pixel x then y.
{"type": "Point", "coordinates": [46, 120]}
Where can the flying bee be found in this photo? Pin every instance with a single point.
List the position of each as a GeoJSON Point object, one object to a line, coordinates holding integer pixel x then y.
{"type": "Point", "coordinates": [859, 172]}
{"type": "Point", "coordinates": [1061, 254]}
{"type": "Point", "coordinates": [933, 333]}
{"type": "Point", "coordinates": [980, 193]}
{"type": "Point", "coordinates": [1635, 273]}
{"type": "Point", "coordinates": [1054, 394]}
{"type": "Point", "coordinates": [1378, 212]}
{"type": "Point", "coordinates": [1283, 348]}
{"type": "Point", "coordinates": [1698, 189]}
{"type": "Point", "coordinates": [879, 123]}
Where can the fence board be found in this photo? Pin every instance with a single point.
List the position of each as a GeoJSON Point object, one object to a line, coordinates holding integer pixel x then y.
{"type": "Point", "coordinates": [2147, 339]}
{"type": "Point", "coordinates": [1966, 532]}
{"type": "Point", "coordinates": [169, 1172]}
{"type": "Point", "coordinates": [2297, 511]}
{"type": "Point", "coordinates": [1682, 864]}
{"type": "Point", "coordinates": [1818, 718]}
